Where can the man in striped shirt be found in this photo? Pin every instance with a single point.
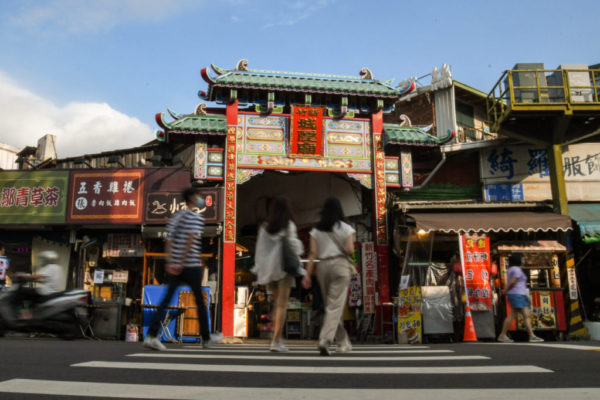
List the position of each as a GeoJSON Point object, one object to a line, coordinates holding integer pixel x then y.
{"type": "Point", "coordinates": [183, 247]}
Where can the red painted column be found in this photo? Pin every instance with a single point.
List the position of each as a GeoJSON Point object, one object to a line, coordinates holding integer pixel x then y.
{"type": "Point", "coordinates": [228, 293]}
{"type": "Point", "coordinates": [379, 208]}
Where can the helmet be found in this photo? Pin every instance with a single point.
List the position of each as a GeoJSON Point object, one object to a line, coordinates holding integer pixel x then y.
{"type": "Point", "coordinates": [48, 257]}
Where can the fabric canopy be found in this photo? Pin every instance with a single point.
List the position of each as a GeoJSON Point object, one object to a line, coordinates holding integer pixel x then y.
{"type": "Point", "coordinates": [491, 222]}
{"type": "Point", "coordinates": [587, 216]}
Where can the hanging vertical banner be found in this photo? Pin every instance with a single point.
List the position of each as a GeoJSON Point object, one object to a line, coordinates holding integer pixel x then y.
{"type": "Point", "coordinates": [476, 251]}
{"type": "Point", "coordinates": [369, 277]}
{"type": "Point", "coordinates": [307, 131]}
{"type": "Point", "coordinates": [355, 288]}
{"type": "Point", "coordinates": [200, 160]}
{"type": "Point", "coordinates": [406, 168]}
{"type": "Point", "coordinates": [409, 313]}
{"type": "Point", "coordinates": [571, 277]}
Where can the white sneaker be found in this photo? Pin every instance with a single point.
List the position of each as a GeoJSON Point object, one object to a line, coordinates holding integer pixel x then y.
{"type": "Point", "coordinates": [345, 347]}
{"type": "Point", "coordinates": [505, 339]}
{"type": "Point", "coordinates": [278, 347]}
{"type": "Point", "coordinates": [207, 344]}
{"type": "Point", "coordinates": [535, 339]}
{"type": "Point", "coordinates": [153, 343]}
{"type": "Point", "coordinates": [324, 348]}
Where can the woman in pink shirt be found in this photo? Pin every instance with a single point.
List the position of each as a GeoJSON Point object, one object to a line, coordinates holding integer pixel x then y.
{"type": "Point", "coordinates": [518, 296]}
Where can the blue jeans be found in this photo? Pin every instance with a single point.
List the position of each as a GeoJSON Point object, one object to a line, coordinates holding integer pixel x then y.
{"type": "Point", "coordinates": [193, 278]}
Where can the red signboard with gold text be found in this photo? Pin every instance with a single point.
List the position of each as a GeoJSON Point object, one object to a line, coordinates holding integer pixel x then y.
{"type": "Point", "coordinates": [476, 250]}
{"type": "Point", "coordinates": [307, 131]}
{"type": "Point", "coordinates": [106, 196]}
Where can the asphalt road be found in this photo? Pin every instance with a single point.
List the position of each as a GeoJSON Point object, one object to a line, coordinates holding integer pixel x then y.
{"type": "Point", "coordinates": [83, 369]}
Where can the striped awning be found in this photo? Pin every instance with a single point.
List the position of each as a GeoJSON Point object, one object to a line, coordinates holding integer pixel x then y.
{"type": "Point", "coordinates": [517, 221]}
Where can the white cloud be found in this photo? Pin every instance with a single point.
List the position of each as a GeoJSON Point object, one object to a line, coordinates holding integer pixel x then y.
{"type": "Point", "coordinates": [297, 12]}
{"type": "Point", "coordinates": [79, 127]}
{"type": "Point", "coordinates": [77, 16]}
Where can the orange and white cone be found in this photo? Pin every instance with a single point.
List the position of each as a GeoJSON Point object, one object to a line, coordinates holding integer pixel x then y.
{"type": "Point", "coordinates": [469, 334]}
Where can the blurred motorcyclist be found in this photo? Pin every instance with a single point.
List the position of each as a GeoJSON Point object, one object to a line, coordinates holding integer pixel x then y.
{"type": "Point", "coordinates": [48, 279]}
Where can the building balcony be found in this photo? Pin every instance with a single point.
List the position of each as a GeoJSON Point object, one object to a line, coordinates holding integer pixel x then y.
{"type": "Point", "coordinates": [532, 102]}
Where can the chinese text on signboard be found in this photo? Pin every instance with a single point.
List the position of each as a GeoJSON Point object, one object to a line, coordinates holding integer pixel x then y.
{"type": "Point", "coordinates": [106, 196]}
{"type": "Point", "coordinates": [409, 313]}
{"type": "Point", "coordinates": [476, 250]}
{"type": "Point", "coordinates": [369, 275]}
{"type": "Point", "coordinates": [33, 197]}
{"type": "Point", "coordinates": [160, 206]}
{"type": "Point", "coordinates": [307, 130]}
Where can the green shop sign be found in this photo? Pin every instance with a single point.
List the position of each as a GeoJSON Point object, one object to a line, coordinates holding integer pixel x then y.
{"type": "Point", "coordinates": [33, 197]}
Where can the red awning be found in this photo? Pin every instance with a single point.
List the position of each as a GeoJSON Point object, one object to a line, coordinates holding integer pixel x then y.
{"type": "Point", "coordinates": [491, 222]}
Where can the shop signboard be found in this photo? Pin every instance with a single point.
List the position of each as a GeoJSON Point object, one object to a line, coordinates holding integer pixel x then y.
{"type": "Point", "coordinates": [409, 313]}
{"type": "Point", "coordinates": [476, 251]}
{"type": "Point", "coordinates": [33, 197]}
{"type": "Point", "coordinates": [355, 289]}
{"type": "Point", "coordinates": [543, 313]}
{"type": "Point", "coordinates": [307, 131]}
{"type": "Point", "coordinates": [160, 206]}
{"type": "Point", "coordinates": [522, 173]}
{"type": "Point", "coordinates": [369, 277]}
{"type": "Point", "coordinates": [106, 196]}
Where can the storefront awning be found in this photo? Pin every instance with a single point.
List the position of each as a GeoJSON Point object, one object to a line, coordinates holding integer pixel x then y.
{"type": "Point", "coordinates": [491, 222]}
{"type": "Point", "coordinates": [587, 217]}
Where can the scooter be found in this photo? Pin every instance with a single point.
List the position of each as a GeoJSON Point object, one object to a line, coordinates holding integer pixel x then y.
{"type": "Point", "coordinates": [64, 313]}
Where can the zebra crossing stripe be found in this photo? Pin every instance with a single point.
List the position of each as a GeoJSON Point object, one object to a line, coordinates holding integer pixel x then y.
{"type": "Point", "coordinates": [311, 351]}
{"type": "Point", "coordinates": [281, 369]}
{"type": "Point", "coordinates": [180, 392]}
{"type": "Point", "coordinates": [316, 357]}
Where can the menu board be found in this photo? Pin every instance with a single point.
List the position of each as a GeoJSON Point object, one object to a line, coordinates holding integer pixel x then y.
{"type": "Point", "coordinates": [409, 314]}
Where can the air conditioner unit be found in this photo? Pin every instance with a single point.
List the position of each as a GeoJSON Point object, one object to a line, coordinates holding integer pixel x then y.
{"type": "Point", "coordinates": [531, 79]}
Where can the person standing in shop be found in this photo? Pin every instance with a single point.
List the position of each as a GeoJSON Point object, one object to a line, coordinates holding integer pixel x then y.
{"type": "Point", "coordinates": [518, 296]}
{"type": "Point", "coordinates": [183, 246]}
{"type": "Point", "coordinates": [4, 265]}
{"type": "Point", "coordinates": [331, 241]}
{"type": "Point", "coordinates": [268, 258]}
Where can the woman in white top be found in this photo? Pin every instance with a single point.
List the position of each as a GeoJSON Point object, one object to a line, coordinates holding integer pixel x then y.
{"type": "Point", "coordinates": [331, 241]}
{"type": "Point", "coordinates": [268, 258]}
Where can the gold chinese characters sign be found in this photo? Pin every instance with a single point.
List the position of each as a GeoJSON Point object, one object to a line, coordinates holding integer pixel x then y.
{"type": "Point", "coordinates": [307, 131]}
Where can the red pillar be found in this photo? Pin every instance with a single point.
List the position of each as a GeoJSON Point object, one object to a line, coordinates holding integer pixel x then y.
{"type": "Point", "coordinates": [379, 208]}
{"type": "Point", "coordinates": [228, 293]}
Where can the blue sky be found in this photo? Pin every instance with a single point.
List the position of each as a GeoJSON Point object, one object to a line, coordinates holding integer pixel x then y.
{"type": "Point", "coordinates": [95, 72]}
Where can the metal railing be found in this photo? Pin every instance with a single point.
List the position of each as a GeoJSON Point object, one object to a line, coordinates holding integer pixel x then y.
{"type": "Point", "coordinates": [467, 133]}
{"type": "Point", "coordinates": [542, 89]}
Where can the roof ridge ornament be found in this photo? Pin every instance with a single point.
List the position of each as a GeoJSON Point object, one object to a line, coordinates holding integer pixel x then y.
{"type": "Point", "coordinates": [242, 65]}
{"type": "Point", "coordinates": [407, 86]}
{"type": "Point", "coordinates": [404, 120]}
{"type": "Point", "coordinates": [200, 109]}
{"type": "Point", "coordinates": [366, 73]}
{"type": "Point", "coordinates": [441, 78]}
{"type": "Point", "coordinates": [174, 114]}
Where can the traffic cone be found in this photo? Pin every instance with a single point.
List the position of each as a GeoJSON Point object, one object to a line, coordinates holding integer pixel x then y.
{"type": "Point", "coordinates": [469, 334]}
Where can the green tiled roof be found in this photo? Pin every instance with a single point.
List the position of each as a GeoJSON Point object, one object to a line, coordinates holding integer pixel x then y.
{"type": "Point", "coordinates": [409, 136]}
{"type": "Point", "coordinates": [312, 83]}
{"type": "Point", "coordinates": [210, 124]}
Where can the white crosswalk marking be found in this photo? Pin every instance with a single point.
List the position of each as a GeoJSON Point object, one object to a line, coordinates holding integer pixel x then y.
{"type": "Point", "coordinates": [374, 362]}
{"type": "Point", "coordinates": [307, 358]}
{"type": "Point", "coordinates": [279, 369]}
{"type": "Point", "coordinates": [173, 392]}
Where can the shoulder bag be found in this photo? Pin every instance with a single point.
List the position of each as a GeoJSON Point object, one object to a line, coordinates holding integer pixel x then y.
{"type": "Point", "coordinates": [346, 257]}
{"type": "Point", "coordinates": [290, 260]}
